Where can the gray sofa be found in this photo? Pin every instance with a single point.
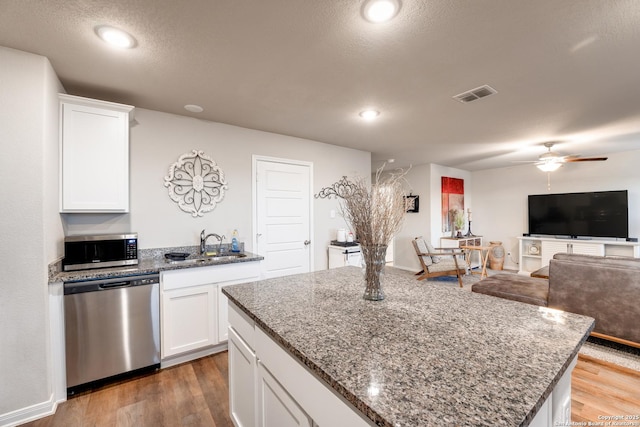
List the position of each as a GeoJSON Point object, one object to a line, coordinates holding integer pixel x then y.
{"type": "Point", "coordinates": [605, 288]}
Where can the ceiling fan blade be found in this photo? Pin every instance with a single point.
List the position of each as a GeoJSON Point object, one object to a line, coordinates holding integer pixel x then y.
{"type": "Point", "coordinates": [585, 159]}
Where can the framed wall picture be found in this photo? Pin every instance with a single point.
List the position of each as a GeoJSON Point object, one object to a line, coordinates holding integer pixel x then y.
{"type": "Point", "coordinates": [412, 203]}
{"type": "Point", "coordinates": [452, 199]}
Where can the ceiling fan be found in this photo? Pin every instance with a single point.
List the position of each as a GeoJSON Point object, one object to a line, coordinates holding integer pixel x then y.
{"type": "Point", "coordinates": [551, 161]}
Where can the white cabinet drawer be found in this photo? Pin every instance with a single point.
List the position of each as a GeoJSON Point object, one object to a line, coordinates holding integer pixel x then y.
{"type": "Point", "coordinates": [237, 272]}
{"type": "Point", "coordinates": [242, 324]}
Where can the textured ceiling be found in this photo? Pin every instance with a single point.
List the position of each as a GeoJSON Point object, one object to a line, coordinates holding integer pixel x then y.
{"type": "Point", "coordinates": [565, 70]}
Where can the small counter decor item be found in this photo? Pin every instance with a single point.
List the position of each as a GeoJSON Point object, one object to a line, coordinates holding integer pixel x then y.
{"type": "Point", "coordinates": [457, 218]}
{"type": "Point", "coordinates": [195, 183]}
{"type": "Point", "coordinates": [469, 233]}
{"type": "Point", "coordinates": [496, 255]}
{"type": "Point", "coordinates": [375, 213]}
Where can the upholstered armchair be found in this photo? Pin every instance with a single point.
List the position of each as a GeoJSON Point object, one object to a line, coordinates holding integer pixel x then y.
{"type": "Point", "coordinates": [438, 262]}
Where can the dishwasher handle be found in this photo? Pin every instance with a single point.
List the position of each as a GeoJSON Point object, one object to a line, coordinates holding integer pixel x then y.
{"type": "Point", "coordinates": [124, 284]}
{"type": "Point", "coordinates": [78, 287]}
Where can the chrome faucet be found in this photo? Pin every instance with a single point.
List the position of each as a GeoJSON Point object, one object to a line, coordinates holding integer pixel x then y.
{"type": "Point", "coordinates": [203, 241]}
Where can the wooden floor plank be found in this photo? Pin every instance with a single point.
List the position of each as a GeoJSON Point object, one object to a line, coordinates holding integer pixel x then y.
{"type": "Point", "coordinates": [197, 394]}
{"type": "Point", "coordinates": [600, 388]}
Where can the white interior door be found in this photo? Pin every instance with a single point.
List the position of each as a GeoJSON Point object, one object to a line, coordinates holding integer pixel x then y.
{"type": "Point", "coordinates": [283, 216]}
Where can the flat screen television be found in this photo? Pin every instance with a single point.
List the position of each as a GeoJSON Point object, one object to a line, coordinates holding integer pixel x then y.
{"type": "Point", "coordinates": [593, 214]}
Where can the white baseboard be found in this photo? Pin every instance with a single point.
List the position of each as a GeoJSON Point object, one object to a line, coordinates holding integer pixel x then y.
{"type": "Point", "coordinates": [176, 360]}
{"type": "Point", "coordinates": [30, 413]}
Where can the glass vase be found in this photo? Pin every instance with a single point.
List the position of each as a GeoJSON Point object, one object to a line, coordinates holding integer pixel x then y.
{"type": "Point", "coordinates": [373, 261]}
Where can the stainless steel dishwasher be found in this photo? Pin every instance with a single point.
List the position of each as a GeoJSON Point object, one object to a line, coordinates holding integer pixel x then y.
{"type": "Point", "coordinates": [112, 327]}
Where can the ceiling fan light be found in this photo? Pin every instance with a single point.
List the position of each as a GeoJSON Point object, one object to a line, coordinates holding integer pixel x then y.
{"type": "Point", "coordinates": [549, 166]}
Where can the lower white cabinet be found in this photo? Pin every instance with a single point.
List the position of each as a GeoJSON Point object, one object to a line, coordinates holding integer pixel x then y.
{"type": "Point", "coordinates": [194, 309]}
{"type": "Point", "coordinates": [269, 388]}
{"type": "Point", "coordinates": [536, 252]}
{"type": "Point", "coordinates": [223, 314]}
{"type": "Point", "coordinates": [242, 382]}
{"type": "Point", "coordinates": [275, 407]}
{"type": "Point", "coordinates": [189, 319]}
{"type": "Point", "coordinates": [550, 248]}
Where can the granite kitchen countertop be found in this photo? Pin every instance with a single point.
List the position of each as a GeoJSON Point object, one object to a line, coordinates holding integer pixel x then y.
{"type": "Point", "coordinates": [149, 261]}
{"type": "Point", "coordinates": [430, 354]}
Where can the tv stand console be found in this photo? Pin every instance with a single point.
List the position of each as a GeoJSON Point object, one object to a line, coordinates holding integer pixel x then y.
{"type": "Point", "coordinates": [535, 252]}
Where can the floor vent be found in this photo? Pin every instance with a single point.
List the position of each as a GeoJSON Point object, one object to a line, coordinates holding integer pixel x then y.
{"type": "Point", "coordinates": [473, 94]}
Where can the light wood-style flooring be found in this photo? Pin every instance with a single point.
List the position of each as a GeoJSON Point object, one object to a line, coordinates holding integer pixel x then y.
{"type": "Point", "coordinates": [600, 388]}
{"type": "Point", "coordinates": [190, 394]}
{"type": "Point", "coordinates": [196, 394]}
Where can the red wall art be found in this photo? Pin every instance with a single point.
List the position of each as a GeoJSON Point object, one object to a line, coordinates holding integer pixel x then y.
{"type": "Point", "coordinates": [452, 199]}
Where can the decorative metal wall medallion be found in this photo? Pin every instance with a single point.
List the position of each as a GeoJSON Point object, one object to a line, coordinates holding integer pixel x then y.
{"type": "Point", "coordinates": [343, 188]}
{"type": "Point", "coordinates": [195, 183]}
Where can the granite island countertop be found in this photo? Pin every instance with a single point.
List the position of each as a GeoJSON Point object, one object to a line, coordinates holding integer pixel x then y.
{"type": "Point", "coordinates": [149, 261]}
{"type": "Point", "coordinates": [430, 354]}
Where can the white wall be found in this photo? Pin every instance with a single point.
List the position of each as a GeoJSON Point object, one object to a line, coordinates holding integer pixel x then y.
{"type": "Point", "coordinates": [30, 229]}
{"type": "Point", "coordinates": [500, 195]}
{"type": "Point", "coordinates": [158, 139]}
{"type": "Point", "coordinates": [415, 224]}
{"type": "Point", "coordinates": [426, 181]}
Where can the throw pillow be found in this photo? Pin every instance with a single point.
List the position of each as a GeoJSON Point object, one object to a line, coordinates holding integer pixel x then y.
{"type": "Point", "coordinates": [435, 259]}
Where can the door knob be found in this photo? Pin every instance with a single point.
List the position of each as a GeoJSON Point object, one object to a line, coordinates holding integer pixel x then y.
{"type": "Point", "coordinates": [307, 242]}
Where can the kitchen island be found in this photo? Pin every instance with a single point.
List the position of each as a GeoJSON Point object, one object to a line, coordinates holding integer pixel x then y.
{"type": "Point", "coordinates": [430, 354]}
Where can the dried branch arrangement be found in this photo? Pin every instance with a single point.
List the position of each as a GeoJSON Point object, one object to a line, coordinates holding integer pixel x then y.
{"type": "Point", "coordinates": [376, 212]}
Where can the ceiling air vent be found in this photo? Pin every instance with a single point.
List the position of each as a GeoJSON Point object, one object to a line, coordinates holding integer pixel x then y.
{"type": "Point", "coordinates": [473, 94]}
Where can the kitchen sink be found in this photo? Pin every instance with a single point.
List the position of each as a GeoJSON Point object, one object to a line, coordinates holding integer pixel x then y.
{"type": "Point", "coordinates": [206, 258]}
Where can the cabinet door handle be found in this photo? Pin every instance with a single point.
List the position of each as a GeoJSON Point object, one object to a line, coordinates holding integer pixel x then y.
{"type": "Point", "coordinates": [307, 242]}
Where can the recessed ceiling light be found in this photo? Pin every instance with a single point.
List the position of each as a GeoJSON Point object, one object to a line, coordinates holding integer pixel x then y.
{"type": "Point", "coordinates": [115, 37]}
{"type": "Point", "coordinates": [369, 114]}
{"type": "Point", "coordinates": [378, 11]}
{"type": "Point", "coordinates": [194, 108]}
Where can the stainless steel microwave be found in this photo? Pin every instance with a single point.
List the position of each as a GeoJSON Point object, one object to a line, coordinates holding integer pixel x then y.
{"type": "Point", "coordinates": [99, 251]}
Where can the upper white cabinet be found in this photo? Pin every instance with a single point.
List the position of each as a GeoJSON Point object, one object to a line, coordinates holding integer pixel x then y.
{"type": "Point", "coordinates": [94, 155]}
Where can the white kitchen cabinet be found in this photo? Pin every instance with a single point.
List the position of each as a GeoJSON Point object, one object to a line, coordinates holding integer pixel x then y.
{"type": "Point", "coordinates": [275, 407]}
{"type": "Point", "coordinates": [223, 315]}
{"type": "Point", "coordinates": [242, 370]}
{"type": "Point", "coordinates": [194, 310]}
{"type": "Point", "coordinates": [232, 274]}
{"type": "Point", "coordinates": [189, 319]}
{"type": "Point", "coordinates": [94, 155]}
{"type": "Point", "coordinates": [268, 387]}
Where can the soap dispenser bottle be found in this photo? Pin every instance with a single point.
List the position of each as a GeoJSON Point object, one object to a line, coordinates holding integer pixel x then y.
{"type": "Point", "coordinates": [234, 242]}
